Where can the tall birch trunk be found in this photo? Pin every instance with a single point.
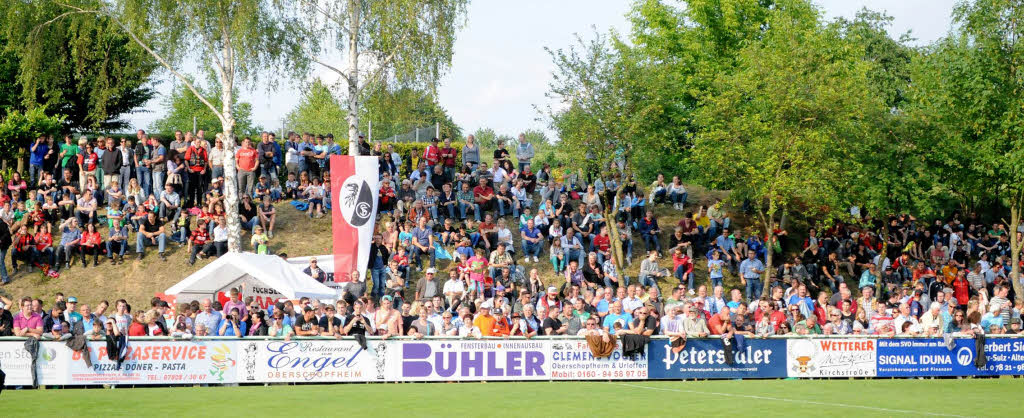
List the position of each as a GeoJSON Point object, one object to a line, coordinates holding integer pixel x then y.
{"type": "Point", "coordinates": [230, 177]}
{"type": "Point", "coordinates": [353, 78]}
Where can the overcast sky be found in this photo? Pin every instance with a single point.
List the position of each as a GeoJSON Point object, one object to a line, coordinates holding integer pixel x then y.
{"type": "Point", "coordinates": [500, 69]}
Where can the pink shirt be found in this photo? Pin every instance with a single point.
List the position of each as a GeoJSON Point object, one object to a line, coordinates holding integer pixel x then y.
{"type": "Point", "coordinates": [33, 321]}
{"type": "Point", "coordinates": [477, 268]}
{"type": "Point", "coordinates": [232, 304]}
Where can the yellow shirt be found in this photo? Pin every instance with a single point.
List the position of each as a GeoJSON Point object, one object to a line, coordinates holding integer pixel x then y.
{"type": "Point", "coordinates": [702, 220]}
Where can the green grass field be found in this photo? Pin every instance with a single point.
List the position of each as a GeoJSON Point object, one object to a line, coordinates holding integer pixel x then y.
{"type": "Point", "coordinates": [965, 397]}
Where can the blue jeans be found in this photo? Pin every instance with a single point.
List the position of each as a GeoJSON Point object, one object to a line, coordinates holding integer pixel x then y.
{"type": "Point", "coordinates": [34, 170]}
{"type": "Point", "coordinates": [754, 289]}
{"type": "Point", "coordinates": [627, 245]}
{"type": "Point", "coordinates": [121, 246]}
{"type": "Point", "coordinates": [218, 171]}
{"type": "Point", "coordinates": [3, 267]}
{"type": "Point", "coordinates": [125, 177]}
{"type": "Point", "coordinates": [684, 277]}
{"type": "Point", "coordinates": [476, 211]}
{"type": "Point", "coordinates": [531, 248]}
{"type": "Point", "coordinates": [714, 229]}
{"type": "Point", "coordinates": [648, 280]}
{"type": "Point", "coordinates": [250, 224]}
{"type": "Point", "coordinates": [450, 210]}
{"type": "Point", "coordinates": [679, 198]}
{"type": "Point", "coordinates": [624, 281]}
{"type": "Point", "coordinates": [652, 243]}
{"type": "Point", "coordinates": [504, 208]}
{"type": "Point", "coordinates": [433, 212]}
{"type": "Point", "coordinates": [158, 183]}
{"type": "Point", "coordinates": [141, 242]}
{"type": "Point", "coordinates": [145, 180]}
{"type": "Point", "coordinates": [377, 276]}
{"type": "Point", "coordinates": [416, 252]}
{"type": "Point", "coordinates": [462, 211]}
{"type": "Point", "coordinates": [571, 254]}
{"type": "Point", "coordinates": [716, 281]}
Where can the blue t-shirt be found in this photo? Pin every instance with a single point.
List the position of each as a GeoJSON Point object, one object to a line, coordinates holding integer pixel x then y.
{"type": "Point", "coordinates": [716, 268]}
{"type": "Point", "coordinates": [610, 319]}
{"type": "Point", "coordinates": [37, 156]}
{"type": "Point", "coordinates": [530, 233]}
{"type": "Point", "coordinates": [69, 235]}
{"type": "Point", "coordinates": [422, 236]}
{"type": "Point", "coordinates": [229, 331]}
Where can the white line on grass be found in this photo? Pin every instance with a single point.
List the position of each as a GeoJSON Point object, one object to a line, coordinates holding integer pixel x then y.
{"type": "Point", "coordinates": [769, 398]}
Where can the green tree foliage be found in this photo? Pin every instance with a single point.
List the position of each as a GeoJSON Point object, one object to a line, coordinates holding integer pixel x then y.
{"type": "Point", "coordinates": [317, 112]}
{"type": "Point", "coordinates": [397, 111]}
{"type": "Point", "coordinates": [18, 130]}
{"type": "Point", "coordinates": [236, 40]}
{"type": "Point", "coordinates": [779, 130]}
{"type": "Point", "coordinates": [410, 43]}
{"type": "Point", "coordinates": [970, 94]}
{"type": "Point", "coordinates": [81, 67]}
{"type": "Point", "coordinates": [181, 106]}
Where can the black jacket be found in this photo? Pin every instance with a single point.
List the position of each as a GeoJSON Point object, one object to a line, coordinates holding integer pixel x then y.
{"type": "Point", "coordinates": [111, 162]}
{"type": "Point", "coordinates": [374, 250]}
{"type": "Point", "coordinates": [5, 237]}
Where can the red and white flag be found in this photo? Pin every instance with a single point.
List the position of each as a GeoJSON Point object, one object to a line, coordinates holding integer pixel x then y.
{"type": "Point", "coordinates": [354, 189]}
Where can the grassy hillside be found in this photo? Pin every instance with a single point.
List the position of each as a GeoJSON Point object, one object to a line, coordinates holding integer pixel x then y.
{"type": "Point", "coordinates": [295, 234]}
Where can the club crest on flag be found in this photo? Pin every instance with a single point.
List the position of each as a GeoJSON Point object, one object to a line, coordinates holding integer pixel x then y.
{"type": "Point", "coordinates": [356, 201]}
{"type": "Point", "coordinates": [355, 186]}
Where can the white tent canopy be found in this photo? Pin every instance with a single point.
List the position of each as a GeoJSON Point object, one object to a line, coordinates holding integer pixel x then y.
{"type": "Point", "coordinates": [262, 276]}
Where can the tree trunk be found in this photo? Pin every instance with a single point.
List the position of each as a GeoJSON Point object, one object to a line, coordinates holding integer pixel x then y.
{"type": "Point", "coordinates": [769, 252]}
{"type": "Point", "coordinates": [1015, 247]}
{"type": "Point", "coordinates": [21, 159]}
{"type": "Point", "coordinates": [353, 78]}
{"type": "Point", "coordinates": [883, 253]}
{"type": "Point", "coordinates": [230, 178]}
{"type": "Point", "coordinates": [613, 232]}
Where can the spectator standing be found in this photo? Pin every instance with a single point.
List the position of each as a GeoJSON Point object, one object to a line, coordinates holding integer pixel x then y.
{"type": "Point", "coordinates": [247, 162]}
{"type": "Point", "coordinates": [750, 274]}
{"type": "Point", "coordinates": [524, 152]}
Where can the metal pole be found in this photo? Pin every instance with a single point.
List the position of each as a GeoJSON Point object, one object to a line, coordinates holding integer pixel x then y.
{"type": "Point", "coordinates": [437, 130]}
{"type": "Point", "coordinates": [417, 130]}
{"type": "Point", "coordinates": [370, 130]}
{"type": "Point", "coordinates": [194, 130]}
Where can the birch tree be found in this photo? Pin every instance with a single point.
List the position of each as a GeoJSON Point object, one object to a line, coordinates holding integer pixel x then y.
{"type": "Point", "coordinates": [410, 43]}
{"type": "Point", "coordinates": [235, 39]}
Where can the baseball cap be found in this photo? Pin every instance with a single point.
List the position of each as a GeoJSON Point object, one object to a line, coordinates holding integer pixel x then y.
{"type": "Point", "coordinates": [500, 288]}
{"type": "Point", "coordinates": [552, 289]}
{"type": "Point", "coordinates": [486, 305]}
{"type": "Point", "coordinates": [431, 271]}
{"type": "Point", "coordinates": [72, 300]}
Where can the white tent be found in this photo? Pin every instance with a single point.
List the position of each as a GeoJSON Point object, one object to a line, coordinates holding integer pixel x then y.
{"type": "Point", "coordinates": [326, 263]}
{"type": "Point", "coordinates": [265, 277]}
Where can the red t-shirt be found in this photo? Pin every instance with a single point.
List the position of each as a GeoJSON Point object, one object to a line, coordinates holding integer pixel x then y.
{"type": "Point", "coordinates": [136, 330]}
{"type": "Point", "coordinates": [246, 159]}
{"type": "Point", "coordinates": [479, 192]}
{"type": "Point", "coordinates": [448, 156]}
{"type": "Point", "coordinates": [716, 324]}
{"type": "Point", "coordinates": [602, 242]}
{"type": "Point", "coordinates": [432, 155]}
{"type": "Point", "coordinates": [43, 241]}
{"type": "Point", "coordinates": [91, 239]}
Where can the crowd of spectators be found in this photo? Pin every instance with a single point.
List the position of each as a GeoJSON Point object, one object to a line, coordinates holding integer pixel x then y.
{"type": "Point", "coordinates": [500, 225]}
